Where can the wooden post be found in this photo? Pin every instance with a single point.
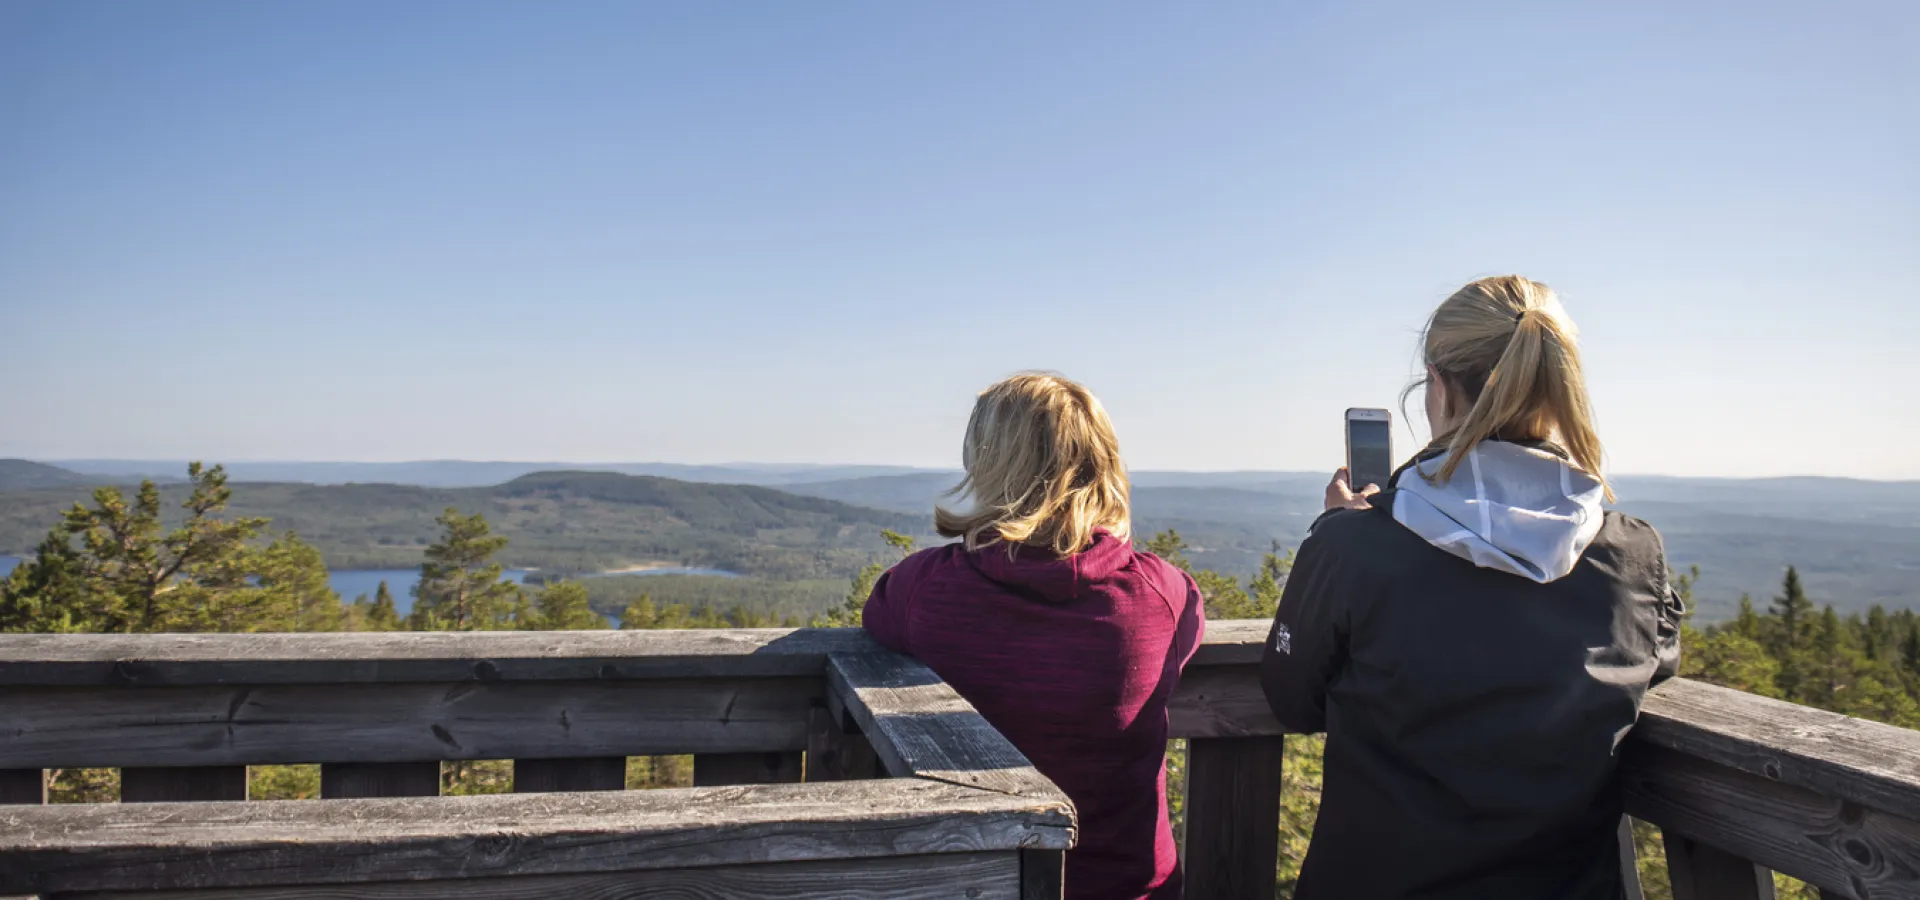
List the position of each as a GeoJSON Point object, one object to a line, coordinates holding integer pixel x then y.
{"type": "Point", "coordinates": [171, 784]}
{"type": "Point", "coordinates": [1233, 817]}
{"type": "Point", "coordinates": [23, 786]}
{"type": "Point", "coordinates": [1043, 874]}
{"type": "Point", "coordinates": [586, 773]}
{"type": "Point", "coordinates": [836, 755]}
{"type": "Point", "coordinates": [713, 769]}
{"type": "Point", "coordinates": [407, 779]}
{"type": "Point", "coordinates": [1629, 861]}
{"type": "Point", "coordinates": [1703, 872]}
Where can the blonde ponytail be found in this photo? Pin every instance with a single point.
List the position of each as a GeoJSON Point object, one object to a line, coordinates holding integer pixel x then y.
{"type": "Point", "coordinates": [1506, 345]}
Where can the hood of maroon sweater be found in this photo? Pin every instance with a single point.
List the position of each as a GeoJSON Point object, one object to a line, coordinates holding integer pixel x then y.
{"type": "Point", "coordinates": [1038, 573]}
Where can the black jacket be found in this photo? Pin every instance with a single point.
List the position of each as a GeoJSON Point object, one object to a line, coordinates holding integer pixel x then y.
{"type": "Point", "coordinates": [1473, 715]}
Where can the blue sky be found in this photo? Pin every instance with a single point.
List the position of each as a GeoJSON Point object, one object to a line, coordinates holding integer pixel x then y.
{"type": "Point", "coordinates": [790, 232]}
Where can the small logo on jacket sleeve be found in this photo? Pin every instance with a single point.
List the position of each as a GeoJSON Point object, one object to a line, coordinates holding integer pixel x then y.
{"type": "Point", "coordinates": [1283, 640]}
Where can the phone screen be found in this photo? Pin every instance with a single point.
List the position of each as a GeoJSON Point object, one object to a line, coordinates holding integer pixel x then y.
{"type": "Point", "coordinates": [1369, 452]}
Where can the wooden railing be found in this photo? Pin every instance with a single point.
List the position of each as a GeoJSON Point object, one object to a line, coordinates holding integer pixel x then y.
{"type": "Point", "coordinates": [789, 730]}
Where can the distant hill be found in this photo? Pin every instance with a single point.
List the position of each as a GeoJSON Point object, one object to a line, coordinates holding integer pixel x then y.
{"type": "Point", "coordinates": [469, 473]}
{"type": "Point", "coordinates": [21, 474]}
{"type": "Point", "coordinates": [557, 521]}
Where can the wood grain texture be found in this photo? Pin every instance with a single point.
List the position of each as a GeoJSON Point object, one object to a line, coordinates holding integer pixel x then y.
{"type": "Point", "coordinates": [834, 754]}
{"type": "Point", "coordinates": [406, 779]}
{"type": "Point", "coordinates": [953, 876]}
{"type": "Point", "coordinates": [1849, 759]}
{"type": "Point", "coordinates": [103, 847]}
{"type": "Point", "coordinates": [253, 725]}
{"type": "Point", "coordinates": [23, 786]}
{"type": "Point", "coordinates": [1220, 702]}
{"type": "Point", "coordinates": [390, 657]}
{"type": "Point", "coordinates": [183, 783]}
{"type": "Point", "coordinates": [1043, 874]}
{"type": "Point", "coordinates": [588, 773]}
{"type": "Point", "coordinates": [1233, 817]}
{"type": "Point", "coordinates": [1231, 642]}
{"type": "Point", "coordinates": [1698, 871]}
{"type": "Point", "coordinates": [919, 726]}
{"type": "Point", "coordinates": [1832, 843]}
{"type": "Point", "coordinates": [341, 658]}
{"type": "Point", "coordinates": [716, 769]}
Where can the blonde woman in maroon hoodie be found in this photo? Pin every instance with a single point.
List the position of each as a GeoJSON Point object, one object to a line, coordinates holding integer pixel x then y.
{"type": "Point", "coordinates": [1045, 617]}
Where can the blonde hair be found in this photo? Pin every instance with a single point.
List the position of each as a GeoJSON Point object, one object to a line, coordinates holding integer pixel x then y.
{"type": "Point", "coordinates": [1042, 468]}
{"type": "Point", "coordinates": [1506, 345]}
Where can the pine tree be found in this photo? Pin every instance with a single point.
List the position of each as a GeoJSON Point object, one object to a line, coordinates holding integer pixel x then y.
{"type": "Point", "coordinates": [130, 574]}
{"type": "Point", "coordinates": [382, 616]}
{"type": "Point", "coordinates": [639, 614]}
{"type": "Point", "coordinates": [848, 613]}
{"type": "Point", "coordinates": [562, 606]}
{"type": "Point", "coordinates": [1791, 634]}
{"type": "Point", "coordinates": [1747, 623]}
{"type": "Point", "coordinates": [460, 588]}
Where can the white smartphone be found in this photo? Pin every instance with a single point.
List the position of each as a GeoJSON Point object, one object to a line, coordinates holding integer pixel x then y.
{"type": "Point", "coordinates": [1369, 447]}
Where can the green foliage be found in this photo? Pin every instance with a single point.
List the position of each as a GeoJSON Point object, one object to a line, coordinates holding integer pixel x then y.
{"type": "Point", "coordinates": [1225, 597]}
{"type": "Point", "coordinates": [847, 615]}
{"type": "Point", "coordinates": [562, 606]}
{"type": "Point", "coordinates": [460, 588]}
{"type": "Point", "coordinates": [115, 567]}
{"type": "Point", "coordinates": [560, 522]}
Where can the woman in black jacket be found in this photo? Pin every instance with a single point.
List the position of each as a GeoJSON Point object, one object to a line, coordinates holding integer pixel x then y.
{"type": "Point", "coordinates": [1476, 639]}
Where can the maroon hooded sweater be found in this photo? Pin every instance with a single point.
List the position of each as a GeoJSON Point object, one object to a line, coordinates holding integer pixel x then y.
{"type": "Point", "coordinates": [1073, 660]}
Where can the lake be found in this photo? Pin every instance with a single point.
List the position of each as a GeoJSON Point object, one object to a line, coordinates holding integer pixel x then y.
{"type": "Point", "coordinates": [351, 583]}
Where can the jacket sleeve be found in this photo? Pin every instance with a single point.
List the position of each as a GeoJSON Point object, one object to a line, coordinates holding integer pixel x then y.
{"type": "Point", "coordinates": [1666, 641]}
{"type": "Point", "coordinates": [1307, 644]}
{"type": "Point", "coordinates": [885, 615]}
{"type": "Point", "coordinates": [1191, 626]}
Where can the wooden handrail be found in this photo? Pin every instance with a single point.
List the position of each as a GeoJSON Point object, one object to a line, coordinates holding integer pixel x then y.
{"type": "Point", "coordinates": [1740, 784]}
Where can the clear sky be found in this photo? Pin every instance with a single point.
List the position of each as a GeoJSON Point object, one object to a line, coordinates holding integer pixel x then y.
{"type": "Point", "coordinates": [809, 232]}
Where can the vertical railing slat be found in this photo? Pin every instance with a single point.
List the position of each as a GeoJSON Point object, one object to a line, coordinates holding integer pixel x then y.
{"type": "Point", "coordinates": [1233, 817]}
{"type": "Point", "coordinates": [1629, 861]}
{"type": "Point", "coordinates": [1042, 874]}
{"type": "Point", "coordinates": [585, 773]}
{"type": "Point", "coordinates": [715, 769]}
{"type": "Point", "coordinates": [1703, 872]}
{"type": "Point", "coordinates": [173, 784]}
{"type": "Point", "coordinates": [405, 779]}
{"type": "Point", "coordinates": [23, 786]}
{"type": "Point", "coordinates": [835, 753]}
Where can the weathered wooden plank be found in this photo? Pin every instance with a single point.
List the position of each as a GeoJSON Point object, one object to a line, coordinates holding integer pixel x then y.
{"type": "Point", "coordinates": [1233, 817]}
{"type": "Point", "coordinates": [332, 658]}
{"type": "Point", "coordinates": [1220, 702]}
{"type": "Point", "coordinates": [253, 725]}
{"type": "Point", "coordinates": [1231, 642]}
{"type": "Point", "coordinates": [1043, 874]}
{"type": "Point", "coordinates": [402, 779]}
{"type": "Point", "coordinates": [174, 784]}
{"type": "Point", "coordinates": [77, 847]}
{"type": "Point", "coordinates": [1698, 871]}
{"type": "Point", "coordinates": [950, 876]}
{"type": "Point", "coordinates": [920, 726]}
{"type": "Point", "coordinates": [329, 658]}
{"type": "Point", "coordinates": [1629, 862]}
{"type": "Point", "coordinates": [586, 773]}
{"type": "Point", "coordinates": [1850, 759]}
{"type": "Point", "coordinates": [716, 769]}
{"type": "Point", "coordinates": [834, 754]}
{"type": "Point", "coordinates": [1826, 841]}
{"type": "Point", "coordinates": [23, 786]}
